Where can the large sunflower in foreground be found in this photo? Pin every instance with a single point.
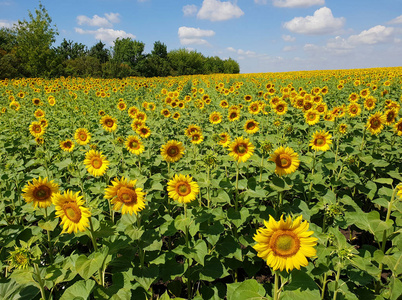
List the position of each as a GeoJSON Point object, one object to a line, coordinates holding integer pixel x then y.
{"type": "Point", "coordinates": [321, 140]}
{"type": "Point", "coordinates": [69, 208]}
{"type": "Point", "coordinates": [375, 123]}
{"type": "Point", "coordinates": [285, 244]}
{"type": "Point", "coordinates": [172, 151]}
{"type": "Point", "coordinates": [96, 163]}
{"type": "Point", "coordinates": [286, 160]}
{"type": "Point", "coordinates": [134, 145]}
{"type": "Point", "coordinates": [40, 192]}
{"type": "Point", "coordinates": [82, 136]}
{"type": "Point", "coordinates": [182, 188]}
{"type": "Point", "coordinates": [241, 149]}
{"type": "Point", "coordinates": [123, 194]}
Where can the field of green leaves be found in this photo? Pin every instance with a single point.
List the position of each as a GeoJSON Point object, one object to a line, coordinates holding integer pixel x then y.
{"type": "Point", "coordinates": [248, 186]}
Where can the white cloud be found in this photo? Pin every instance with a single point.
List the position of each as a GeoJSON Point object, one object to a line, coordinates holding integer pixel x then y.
{"type": "Point", "coordinates": [322, 22]}
{"type": "Point", "coordinates": [7, 24]}
{"type": "Point", "coordinates": [106, 35]}
{"type": "Point", "coordinates": [190, 10]}
{"type": "Point", "coordinates": [260, 1]}
{"type": "Point", "coordinates": [191, 35]}
{"type": "Point", "coordinates": [288, 48]}
{"type": "Point", "coordinates": [397, 20]}
{"type": "Point", "coordinates": [288, 38]}
{"type": "Point", "coordinates": [215, 10]}
{"type": "Point", "coordinates": [297, 3]}
{"type": "Point", "coordinates": [98, 21]}
{"type": "Point", "coordinates": [374, 35]}
{"type": "Point", "coordinates": [231, 49]}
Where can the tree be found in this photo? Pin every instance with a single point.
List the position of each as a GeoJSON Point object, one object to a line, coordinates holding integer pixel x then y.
{"type": "Point", "coordinates": [160, 50]}
{"type": "Point", "coordinates": [128, 51]}
{"type": "Point", "coordinates": [186, 62]}
{"type": "Point", "coordinates": [100, 52]}
{"type": "Point", "coordinates": [230, 66]}
{"type": "Point", "coordinates": [8, 40]}
{"type": "Point", "coordinates": [70, 50]}
{"type": "Point", "coordinates": [34, 40]}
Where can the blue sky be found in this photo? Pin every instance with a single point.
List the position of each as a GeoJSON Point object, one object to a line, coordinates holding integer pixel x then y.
{"type": "Point", "coordinates": [262, 35]}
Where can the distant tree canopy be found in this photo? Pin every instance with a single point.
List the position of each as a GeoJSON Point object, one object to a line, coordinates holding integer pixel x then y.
{"type": "Point", "coordinates": [27, 50]}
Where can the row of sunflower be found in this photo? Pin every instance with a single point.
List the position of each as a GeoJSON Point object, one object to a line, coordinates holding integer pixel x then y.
{"type": "Point", "coordinates": [203, 186]}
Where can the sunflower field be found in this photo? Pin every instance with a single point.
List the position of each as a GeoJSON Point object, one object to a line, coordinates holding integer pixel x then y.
{"type": "Point", "coordinates": [246, 186]}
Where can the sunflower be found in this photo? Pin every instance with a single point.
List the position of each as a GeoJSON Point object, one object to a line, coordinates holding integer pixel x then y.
{"type": "Point", "coordinates": [123, 194]}
{"type": "Point", "coordinates": [353, 97]}
{"type": "Point", "coordinates": [196, 138]}
{"type": "Point", "coordinates": [329, 117]}
{"type": "Point", "coordinates": [134, 145]}
{"type": "Point", "coordinates": [67, 145]}
{"type": "Point", "coordinates": [241, 149]}
{"type": "Point", "coordinates": [44, 123]}
{"type": "Point", "coordinates": [285, 244]}
{"type": "Point", "coordinates": [224, 139]}
{"type": "Point", "coordinates": [369, 103]}
{"type": "Point", "coordinates": [176, 116]}
{"type": "Point", "coordinates": [121, 105]}
{"type": "Point", "coordinates": [215, 117]}
{"type": "Point", "coordinates": [82, 136]}
{"type": "Point", "coordinates": [20, 258]}
{"type": "Point", "coordinates": [248, 98]}
{"type": "Point", "coordinates": [322, 108]}
{"type": "Point", "coordinates": [15, 105]}
{"type": "Point", "coordinates": [135, 124]}
{"type": "Point", "coordinates": [286, 160]}
{"type": "Point", "coordinates": [321, 141]}
{"type": "Point", "coordinates": [224, 104]}
{"type": "Point", "coordinates": [375, 123]}
{"type": "Point", "coordinates": [39, 140]}
{"type": "Point", "coordinates": [398, 127]}
{"type": "Point", "coordinates": [354, 109]}
{"type": "Point", "coordinates": [39, 113]}
{"type": "Point", "coordinates": [165, 112]}
{"type": "Point", "coordinates": [96, 163]}
{"type": "Point", "coordinates": [69, 208]}
{"type": "Point", "coordinates": [172, 151]}
{"type": "Point", "coordinates": [182, 188]}
{"type": "Point", "coordinates": [390, 116]}
{"type": "Point", "coordinates": [143, 131]}
{"type": "Point", "coordinates": [365, 93]}
{"type": "Point", "coordinates": [254, 108]}
{"type": "Point", "coordinates": [36, 101]}
{"type": "Point", "coordinates": [132, 111]}
{"type": "Point", "coordinates": [191, 129]}
{"type": "Point", "coordinates": [280, 108]}
{"type": "Point", "coordinates": [36, 129]}
{"type": "Point", "coordinates": [233, 115]}
{"type": "Point", "coordinates": [108, 123]}
{"type": "Point", "coordinates": [312, 117]}
{"type": "Point", "coordinates": [141, 116]}
{"type": "Point", "coordinates": [40, 192]}
{"type": "Point", "coordinates": [251, 126]}
{"type": "Point", "coordinates": [342, 128]}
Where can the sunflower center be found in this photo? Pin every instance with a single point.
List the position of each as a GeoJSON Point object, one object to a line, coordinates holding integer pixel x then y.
{"type": "Point", "coordinates": [241, 149]}
{"type": "Point", "coordinates": [172, 151]}
{"type": "Point", "coordinates": [96, 162]}
{"type": "Point", "coordinates": [320, 141]}
{"type": "Point", "coordinates": [83, 136]}
{"type": "Point", "coordinates": [251, 125]}
{"type": "Point", "coordinates": [375, 123]}
{"type": "Point", "coordinates": [42, 192]}
{"type": "Point", "coordinates": [109, 123]}
{"type": "Point", "coordinates": [280, 108]}
{"type": "Point", "coordinates": [283, 161]}
{"type": "Point", "coordinates": [183, 189]}
{"type": "Point", "coordinates": [67, 144]}
{"type": "Point", "coordinates": [285, 243]}
{"type": "Point", "coordinates": [134, 145]}
{"type": "Point", "coordinates": [73, 212]}
{"type": "Point", "coordinates": [311, 116]}
{"type": "Point", "coordinates": [37, 128]}
{"type": "Point", "coordinates": [20, 259]}
{"type": "Point", "coordinates": [127, 195]}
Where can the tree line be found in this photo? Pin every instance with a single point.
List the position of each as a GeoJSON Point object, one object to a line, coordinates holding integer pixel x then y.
{"type": "Point", "coordinates": [26, 51]}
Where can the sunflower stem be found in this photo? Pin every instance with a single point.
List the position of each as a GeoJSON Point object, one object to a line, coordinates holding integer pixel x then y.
{"type": "Point", "coordinates": [40, 282]}
{"type": "Point", "coordinates": [384, 235]}
{"type": "Point", "coordinates": [338, 275]}
{"type": "Point", "coordinates": [237, 187]}
{"type": "Point", "coordinates": [262, 163]}
{"type": "Point", "coordinates": [208, 183]}
{"type": "Point", "coordinates": [50, 250]}
{"type": "Point", "coordinates": [311, 183]}
{"type": "Point", "coordinates": [364, 135]}
{"type": "Point", "coordinates": [276, 286]}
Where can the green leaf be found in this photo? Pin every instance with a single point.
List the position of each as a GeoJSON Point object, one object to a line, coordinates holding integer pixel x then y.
{"type": "Point", "coordinates": [64, 163]}
{"type": "Point", "coordinates": [301, 287]}
{"type": "Point", "coordinates": [48, 225]}
{"type": "Point", "coordinates": [213, 269]}
{"type": "Point", "coordinates": [146, 276]}
{"type": "Point", "coordinates": [229, 248]}
{"type": "Point", "coordinates": [278, 184]}
{"type": "Point", "coordinates": [80, 290]}
{"type": "Point", "coordinates": [248, 289]}
{"type": "Point", "coordinates": [201, 250]}
{"type": "Point", "coordinates": [11, 290]}
{"type": "Point", "coordinates": [87, 266]}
